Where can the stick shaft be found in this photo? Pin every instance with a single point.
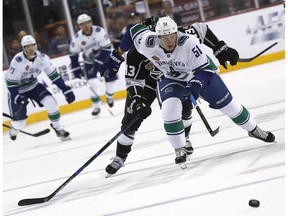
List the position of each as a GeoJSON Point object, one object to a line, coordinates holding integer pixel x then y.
{"type": "Point", "coordinates": [260, 53]}
{"type": "Point", "coordinates": [30, 201]}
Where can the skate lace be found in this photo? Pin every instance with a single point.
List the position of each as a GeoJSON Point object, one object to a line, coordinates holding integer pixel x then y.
{"type": "Point", "coordinates": [117, 162]}
{"type": "Point", "coordinates": [260, 133]}
{"type": "Point", "coordinates": [179, 152]}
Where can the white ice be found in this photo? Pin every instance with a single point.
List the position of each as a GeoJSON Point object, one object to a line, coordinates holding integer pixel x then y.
{"type": "Point", "coordinates": [224, 172]}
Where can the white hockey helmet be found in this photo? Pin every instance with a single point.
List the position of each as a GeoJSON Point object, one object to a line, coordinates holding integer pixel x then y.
{"type": "Point", "coordinates": [165, 25]}
{"type": "Point", "coordinates": [27, 40]}
{"type": "Point", "coordinates": [83, 18]}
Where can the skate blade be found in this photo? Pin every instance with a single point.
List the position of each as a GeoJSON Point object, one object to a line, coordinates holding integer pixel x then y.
{"type": "Point", "coordinates": [95, 117]}
{"type": "Point", "coordinates": [183, 166]}
{"type": "Point", "coordinates": [108, 175]}
{"type": "Point", "coordinates": [110, 111]}
{"type": "Point", "coordinates": [65, 138]}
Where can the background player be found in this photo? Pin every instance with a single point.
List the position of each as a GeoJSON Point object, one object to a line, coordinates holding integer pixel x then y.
{"type": "Point", "coordinates": [22, 84]}
{"type": "Point", "coordinates": [96, 46]}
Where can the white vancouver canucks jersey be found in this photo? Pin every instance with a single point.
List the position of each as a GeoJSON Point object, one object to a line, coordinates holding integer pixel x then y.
{"type": "Point", "coordinates": [182, 63]}
{"type": "Point", "coordinates": [89, 44]}
{"type": "Point", "coordinates": [23, 73]}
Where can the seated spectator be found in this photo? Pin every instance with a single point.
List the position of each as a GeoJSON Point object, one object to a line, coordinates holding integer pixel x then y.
{"type": "Point", "coordinates": [168, 11]}
{"type": "Point", "coordinates": [120, 19]}
{"type": "Point", "coordinates": [111, 6]}
{"type": "Point", "coordinates": [14, 47]}
{"type": "Point", "coordinates": [60, 43]}
{"type": "Point", "coordinates": [134, 18]}
{"type": "Point", "coordinates": [21, 34]}
{"type": "Point", "coordinates": [41, 45]}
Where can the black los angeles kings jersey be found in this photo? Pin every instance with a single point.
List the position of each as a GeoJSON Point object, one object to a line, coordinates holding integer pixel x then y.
{"type": "Point", "coordinates": [140, 74]}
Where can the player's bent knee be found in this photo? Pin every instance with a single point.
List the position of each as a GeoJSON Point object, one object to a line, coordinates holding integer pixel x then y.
{"type": "Point", "coordinates": [50, 104]}
{"type": "Point", "coordinates": [172, 109]}
{"type": "Point", "coordinates": [232, 109]}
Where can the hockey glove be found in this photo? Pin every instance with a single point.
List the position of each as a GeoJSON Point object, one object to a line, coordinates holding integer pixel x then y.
{"type": "Point", "coordinates": [140, 108]}
{"type": "Point", "coordinates": [111, 65]}
{"type": "Point", "coordinates": [150, 22]}
{"type": "Point", "coordinates": [224, 53]}
{"type": "Point", "coordinates": [21, 100]}
{"type": "Point", "coordinates": [198, 82]}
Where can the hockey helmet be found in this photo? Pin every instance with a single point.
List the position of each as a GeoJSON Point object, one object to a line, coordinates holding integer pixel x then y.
{"type": "Point", "coordinates": [165, 25]}
{"type": "Point", "coordinates": [27, 40]}
{"type": "Point", "coordinates": [83, 18]}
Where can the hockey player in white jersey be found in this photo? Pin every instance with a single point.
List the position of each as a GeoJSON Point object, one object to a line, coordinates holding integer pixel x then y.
{"type": "Point", "coordinates": [95, 45]}
{"type": "Point", "coordinates": [186, 68]}
{"type": "Point", "coordinates": [22, 83]}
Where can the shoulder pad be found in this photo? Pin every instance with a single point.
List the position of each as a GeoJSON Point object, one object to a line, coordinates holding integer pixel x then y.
{"type": "Point", "coordinates": [97, 29]}
{"type": "Point", "coordinates": [19, 59]}
{"type": "Point", "coordinates": [182, 39]}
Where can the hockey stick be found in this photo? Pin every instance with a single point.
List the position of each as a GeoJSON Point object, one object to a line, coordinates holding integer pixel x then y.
{"type": "Point", "coordinates": [40, 133]}
{"type": "Point", "coordinates": [46, 199]}
{"type": "Point", "coordinates": [95, 93]}
{"type": "Point", "coordinates": [8, 116]}
{"type": "Point", "coordinates": [260, 53]}
{"type": "Point", "coordinates": [212, 132]}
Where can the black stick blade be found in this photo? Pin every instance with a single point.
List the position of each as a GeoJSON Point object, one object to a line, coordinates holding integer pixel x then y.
{"type": "Point", "coordinates": [32, 201]}
{"type": "Point", "coordinates": [42, 132]}
{"type": "Point", "coordinates": [214, 132]}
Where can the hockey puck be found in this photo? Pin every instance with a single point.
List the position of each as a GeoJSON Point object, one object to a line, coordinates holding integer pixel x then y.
{"type": "Point", "coordinates": [254, 203]}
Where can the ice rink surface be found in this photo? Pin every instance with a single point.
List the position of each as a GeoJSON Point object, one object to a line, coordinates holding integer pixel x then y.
{"type": "Point", "coordinates": [223, 174]}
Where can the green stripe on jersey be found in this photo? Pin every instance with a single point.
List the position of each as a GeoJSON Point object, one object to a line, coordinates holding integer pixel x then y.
{"type": "Point", "coordinates": [137, 28]}
{"type": "Point", "coordinates": [95, 99]}
{"type": "Point", "coordinates": [174, 128]}
{"type": "Point", "coordinates": [10, 83]}
{"type": "Point", "coordinates": [27, 85]}
{"type": "Point", "coordinates": [242, 117]}
{"type": "Point", "coordinates": [55, 116]}
{"type": "Point", "coordinates": [54, 75]}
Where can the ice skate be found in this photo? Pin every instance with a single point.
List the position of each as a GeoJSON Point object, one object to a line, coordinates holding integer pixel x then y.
{"type": "Point", "coordinates": [13, 133]}
{"type": "Point", "coordinates": [181, 157]}
{"type": "Point", "coordinates": [114, 166]}
{"type": "Point", "coordinates": [263, 135]}
{"type": "Point", "coordinates": [96, 111]}
{"type": "Point", "coordinates": [188, 147]}
{"type": "Point", "coordinates": [110, 102]}
{"type": "Point", "coordinates": [62, 134]}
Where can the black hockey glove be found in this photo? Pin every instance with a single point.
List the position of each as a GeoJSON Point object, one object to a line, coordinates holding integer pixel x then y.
{"type": "Point", "coordinates": [140, 108]}
{"type": "Point", "coordinates": [150, 22]}
{"type": "Point", "coordinates": [224, 53]}
{"type": "Point", "coordinates": [69, 95]}
{"type": "Point", "coordinates": [111, 65]}
{"type": "Point", "coordinates": [21, 100]}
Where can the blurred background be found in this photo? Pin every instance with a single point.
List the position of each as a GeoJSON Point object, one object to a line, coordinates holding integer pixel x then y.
{"type": "Point", "coordinates": [47, 19]}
